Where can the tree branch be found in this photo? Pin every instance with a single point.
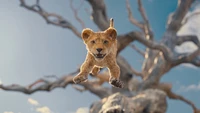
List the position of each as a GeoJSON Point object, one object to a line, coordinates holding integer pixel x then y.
{"type": "Point", "coordinates": [179, 14]}
{"type": "Point", "coordinates": [99, 14]}
{"type": "Point", "coordinates": [123, 63]}
{"type": "Point", "coordinates": [137, 50]}
{"type": "Point", "coordinates": [130, 16]}
{"type": "Point", "coordinates": [76, 13]}
{"type": "Point", "coordinates": [196, 61]}
{"type": "Point", "coordinates": [45, 85]}
{"type": "Point", "coordinates": [167, 89]}
{"type": "Point", "coordinates": [142, 12]}
{"type": "Point", "coordinates": [193, 58]}
{"type": "Point", "coordinates": [78, 88]}
{"type": "Point", "coordinates": [186, 58]}
{"type": "Point", "coordinates": [147, 29]}
{"type": "Point", "coordinates": [151, 44]}
{"type": "Point", "coordinates": [190, 16]}
{"type": "Point", "coordinates": [59, 20]}
{"type": "Point", "coordinates": [140, 74]}
{"type": "Point", "coordinates": [181, 39]}
{"type": "Point", "coordinates": [126, 39]}
{"type": "Point", "coordinates": [168, 55]}
{"type": "Point", "coordinates": [37, 2]}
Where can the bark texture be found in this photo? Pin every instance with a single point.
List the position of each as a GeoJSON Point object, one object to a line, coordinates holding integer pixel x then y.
{"type": "Point", "coordinates": [147, 101]}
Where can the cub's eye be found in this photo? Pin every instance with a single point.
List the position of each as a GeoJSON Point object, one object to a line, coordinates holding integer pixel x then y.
{"type": "Point", "coordinates": [105, 41]}
{"type": "Point", "coordinates": [92, 41]}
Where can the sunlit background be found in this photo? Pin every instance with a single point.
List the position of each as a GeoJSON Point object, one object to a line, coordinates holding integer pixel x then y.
{"type": "Point", "coordinates": [31, 49]}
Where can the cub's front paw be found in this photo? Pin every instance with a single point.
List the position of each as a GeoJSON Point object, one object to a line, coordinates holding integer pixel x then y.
{"type": "Point", "coordinates": [116, 83]}
{"type": "Point", "coordinates": [78, 79]}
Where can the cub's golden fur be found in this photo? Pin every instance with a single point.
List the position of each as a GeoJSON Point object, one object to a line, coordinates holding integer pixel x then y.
{"type": "Point", "coordinates": [102, 51]}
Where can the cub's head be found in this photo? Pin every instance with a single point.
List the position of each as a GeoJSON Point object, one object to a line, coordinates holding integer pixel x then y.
{"type": "Point", "coordinates": [99, 44]}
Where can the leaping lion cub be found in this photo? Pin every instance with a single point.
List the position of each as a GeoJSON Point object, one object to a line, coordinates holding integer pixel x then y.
{"type": "Point", "coordinates": [102, 51]}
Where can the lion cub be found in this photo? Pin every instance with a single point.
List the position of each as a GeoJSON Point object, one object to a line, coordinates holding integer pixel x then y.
{"type": "Point", "coordinates": [102, 51]}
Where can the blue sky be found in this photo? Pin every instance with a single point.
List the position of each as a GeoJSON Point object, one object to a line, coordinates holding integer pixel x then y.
{"type": "Point", "coordinates": [31, 49]}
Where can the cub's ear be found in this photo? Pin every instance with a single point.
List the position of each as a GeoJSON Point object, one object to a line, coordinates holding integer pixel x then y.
{"type": "Point", "coordinates": [111, 33]}
{"type": "Point", "coordinates": [86, 33]}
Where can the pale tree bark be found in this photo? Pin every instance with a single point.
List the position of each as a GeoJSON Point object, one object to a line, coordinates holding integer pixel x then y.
{"type": "Point", "coordinates": [146, 96]}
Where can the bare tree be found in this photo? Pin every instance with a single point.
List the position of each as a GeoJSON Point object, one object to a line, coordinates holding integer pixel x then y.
{"type": "Point", "coordinates": [146, 96]}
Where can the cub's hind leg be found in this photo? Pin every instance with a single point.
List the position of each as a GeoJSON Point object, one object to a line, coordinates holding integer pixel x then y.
{"type": "Point", "coordinates": [114, 75]}
{"type": "Point", "coordinates": [95, 71]}
{"type": "Point", "coordinates": [85, 69]}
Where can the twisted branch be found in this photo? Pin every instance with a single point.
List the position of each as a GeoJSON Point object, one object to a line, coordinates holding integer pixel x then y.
{"type": "Point", "coordinates": [167, 88]}
{"type": "Point", "coordinates": [168, 55]}
{"type": "Point", "coordinates": [192, 58]}
{"type": "Point", "coordinates": [99, 13]}
{"type": "Point", "coordinates": [130, 16]}
{"type": "Point", "coordinates": [75, 10]}
{"type": "Point", "coordinates": [147, 30]}
{"type": "Point", "coordinates": [181, 39]}
{"type": "Point", "coordinates": [137, 50]}
{"type": "Point", "coordinates": [122, 61]}
{"type": "Point", "coordinates": [59, 20]}
{"type": "Point", "coordinates": [45, 85]}
{"type": "Point", "coordinates": [178, 16]}
{"type": "Point", "coordinates": [196, 61]}
{"type": "Point", "coordinates": [190, 16]}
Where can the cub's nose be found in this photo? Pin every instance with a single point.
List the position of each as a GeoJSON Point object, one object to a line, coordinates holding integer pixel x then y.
{"type": "Point", "coordinates": [99, 49]}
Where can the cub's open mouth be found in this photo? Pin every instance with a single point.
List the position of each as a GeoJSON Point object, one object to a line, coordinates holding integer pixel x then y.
{"type": "Point", "coordinates": [99, 55]}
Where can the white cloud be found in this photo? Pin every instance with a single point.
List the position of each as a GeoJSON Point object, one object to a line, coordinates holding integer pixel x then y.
{"type": "Point", "coordinates": [8, 112]}
{"type": "Point", "coordinates": [190, 28]}
{"type": "Point", "coordinates": [192, 87]}
{"type": "Point", "coordinates": [44, 109]}
{"type": "Point", "coordinates": [38, 107]}
{"type": "Point", "coordinates": [82, 110]}
{"type": "Point", "coordinates": [0, 82]}
{"type": "Point", "coordinates": [33, 102]}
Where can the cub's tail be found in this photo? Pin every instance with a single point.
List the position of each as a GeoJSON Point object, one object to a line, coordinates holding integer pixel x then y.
{"type": "Point", "coordinates": [111, 22]}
